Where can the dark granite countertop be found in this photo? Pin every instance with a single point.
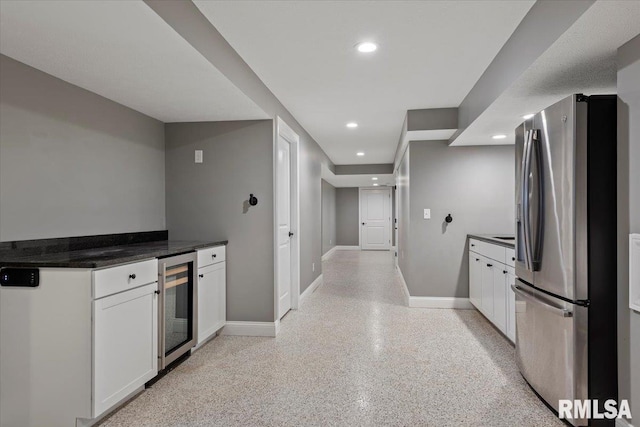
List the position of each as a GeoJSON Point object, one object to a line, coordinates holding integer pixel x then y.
{"type": "Point", "coordinates": [106, 256]}
{"type": "Point", "coordinates": [495, 239]}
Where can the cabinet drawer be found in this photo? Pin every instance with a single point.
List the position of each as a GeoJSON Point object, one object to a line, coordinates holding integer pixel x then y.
{"type": "Point", "coordinates": [210, 256]}
{"type": "Point", "coordinates": [510, 257]}
{"type": "Point", "coordinates": [495, 252]}
{"type": "Point", "coordinates": [123, 277]}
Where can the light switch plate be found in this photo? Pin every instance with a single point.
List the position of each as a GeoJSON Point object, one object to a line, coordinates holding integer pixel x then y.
{"type": "Point", "coordinates": [198, 156]}
{"type": "Point", "coordinates": [427, 214]}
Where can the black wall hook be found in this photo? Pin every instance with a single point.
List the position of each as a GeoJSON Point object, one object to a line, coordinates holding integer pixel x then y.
{"type": "Point", "coordinates": [448, 219]}
{"type": "Point", "coordinates": [253, 200]}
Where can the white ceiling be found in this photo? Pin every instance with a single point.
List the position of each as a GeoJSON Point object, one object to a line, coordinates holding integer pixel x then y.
{"type": "Point", "coordinates": [125, 52]}
{"type": "Point", "coordinates": [430, 55]}
{"type": "Point", "coordinates": [582, 60]}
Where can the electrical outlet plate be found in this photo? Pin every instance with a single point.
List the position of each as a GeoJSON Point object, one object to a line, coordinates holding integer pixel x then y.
{"type": "Point", "coordinates": [198, 156]}
{"type": "Point", "coordinates": [427, 214]}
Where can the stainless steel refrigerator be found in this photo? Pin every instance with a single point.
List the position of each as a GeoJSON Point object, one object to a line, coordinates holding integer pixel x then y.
{"type": "Point", "coordinates": [566, 251]}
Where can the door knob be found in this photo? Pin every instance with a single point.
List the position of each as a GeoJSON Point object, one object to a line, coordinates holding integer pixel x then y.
{"type": "Point", "coordinates": [363, 223]}
{"type": "Point", "coordinates": [290, 234]}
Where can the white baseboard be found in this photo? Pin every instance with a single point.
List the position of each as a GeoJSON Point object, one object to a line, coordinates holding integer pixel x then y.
{"type": "Point", "coordinates": [251, 329]}
{"type": "Point", "coordinates": [310, 289]}
{"type": "Point", "coordinates": [329, 253]}
{"type": "Point", "coordinates": [432, 302]}
{"type": "Point", "coordinates": [621, 422]}
{"type": "Point", "coordinates": [405, 289]}
{"type": "Point", "coordinates": [347, 248]}
{"type": "Point", "coordinates": [440, 302]}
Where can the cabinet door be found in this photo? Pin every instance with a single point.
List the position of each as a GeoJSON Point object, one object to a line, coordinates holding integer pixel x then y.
{"type": "Point", "coordinates": [211, 300]}
{"type": "Point", "coordinates": [125, 345]}
{"type": "Point", "coordinates": [500, 297]}
{"type": "Point", "coordinates": [475, 279]}
{"type": "Point", "coordinates": [488, 267]}
{"type": "Point", "coordinates": [221, 286]}
{"type": "Point", "coordinates": [511, 305]}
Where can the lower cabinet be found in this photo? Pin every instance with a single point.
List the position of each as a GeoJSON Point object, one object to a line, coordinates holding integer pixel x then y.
{"type": "Point", "coordinates": [125, 337]}
{"type": "Point", "coordinates": [487, 287]}
{"type": "Point", "coordinates": [511, 304]}
{"type": "Point", "coordinates": [212, 294]}
{"type": "Point", "coordinates": [475, 279]}
{"type": "Point", "coordinates": [490, 290]}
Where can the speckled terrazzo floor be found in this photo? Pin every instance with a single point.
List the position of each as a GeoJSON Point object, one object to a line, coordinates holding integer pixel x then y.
{"type": "Point", "coordinates": [353, 355]}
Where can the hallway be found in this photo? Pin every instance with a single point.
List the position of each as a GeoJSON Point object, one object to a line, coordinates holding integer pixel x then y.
{"type": "Point", "coordinates": [352, 355]}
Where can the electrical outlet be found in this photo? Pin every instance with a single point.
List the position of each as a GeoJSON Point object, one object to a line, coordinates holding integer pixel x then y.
{"type": "Point", "coordinates": [427, 214]}
{"type": "Point", "coordinates": [198, 156]}
{"type": "Point", "coordinates": [313, 266]}
{"type": "Point", "coordinates": [329, 241]}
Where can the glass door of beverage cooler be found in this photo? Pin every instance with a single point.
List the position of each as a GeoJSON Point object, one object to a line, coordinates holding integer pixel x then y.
{"type": "Point", "coordinates": [177, 328]}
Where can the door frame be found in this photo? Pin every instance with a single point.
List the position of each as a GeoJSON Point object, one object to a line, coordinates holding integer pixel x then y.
{"type": "Point", "coordinates": [360, 189]}
{"type": "Point", "coordinates": [281, 129]}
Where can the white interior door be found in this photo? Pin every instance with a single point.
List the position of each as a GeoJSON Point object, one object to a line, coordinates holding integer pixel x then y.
{"type": "Point", "coordinates": [283, 182]}
{"type": "Point", "coordinates": [375, 219]}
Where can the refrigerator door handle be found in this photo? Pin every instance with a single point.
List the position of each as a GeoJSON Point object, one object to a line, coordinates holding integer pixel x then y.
{"type": "Point", "coordinates": [563, 312]}
{"type": "Point", "coordinates": [535, 249]}
{"type": "Point", "coordinates": [525, 205]}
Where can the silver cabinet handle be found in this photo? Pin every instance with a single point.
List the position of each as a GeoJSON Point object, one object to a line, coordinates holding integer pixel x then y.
{"type": "Point", "coordinates": [551, 308]}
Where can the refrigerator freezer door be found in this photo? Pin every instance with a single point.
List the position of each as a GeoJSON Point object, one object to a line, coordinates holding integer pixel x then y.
{"type": "Point", "coordinates": [549, 348]}
{"type": "Point", "coordinates": [558, 144]}
{"type": "Point", "coordinates": [522, 140]}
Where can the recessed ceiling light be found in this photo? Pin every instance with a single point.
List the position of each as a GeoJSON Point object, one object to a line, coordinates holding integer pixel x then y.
{"type": "Point", "coordinates": [360, 153]}
{"type": "Point", "coordinates": [366, 47]}
{"type": "Point", "coordinates": [352, 125]}
{"type": "Point", "coordinates": [375, 185]}
{"type": "Point", "coordinates": [375, 178]}
{"type": "Point", "coordinates": [528, 116]}
{"type": "Point", "coordinates": [499, 136]}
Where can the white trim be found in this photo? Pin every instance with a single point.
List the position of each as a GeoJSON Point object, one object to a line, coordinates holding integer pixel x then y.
{"type": "Point", "coordinates": [621, 422]}
{"type": "Point", "coordinates": [440, 302]}
{"type": "Point", "coordinates": [360, 190]}
{"type": "Point", "coordinates": [329, 253]}
{"type": "Point", "coordinates": [405, 288]}
{"type": "Point", "coordinates": [251, 329]}
{"type": "Point", "coordinates": [284, 130]}
{"type": "Point", "coordinates": [347, 248]}
{"type": "Point", "coordinates": [310, 289]}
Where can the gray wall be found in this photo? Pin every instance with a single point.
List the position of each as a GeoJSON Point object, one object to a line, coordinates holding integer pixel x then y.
{"type": "Point", "coordinates": [185, 18]}
{"type": "Point", "coordinates": [404, 208]}
{"type": "Point", "coordinates": [73, 163]}
{"type": "Point", "coordinates": [628, 217]}
{"type": "Point", "coordinates": [328, 216]}
{"type": "Point", "coordinates": [209, 201]}
{"type": "Point", "coordinates": [347, 217]}
{"type": "Point", "coordinates": [476, 185]}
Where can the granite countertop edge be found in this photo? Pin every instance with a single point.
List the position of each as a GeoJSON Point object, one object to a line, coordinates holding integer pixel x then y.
{"type": "Point", "coordinates": [491, 239]}
{"type": "Point", "coordinates": [137, 252]}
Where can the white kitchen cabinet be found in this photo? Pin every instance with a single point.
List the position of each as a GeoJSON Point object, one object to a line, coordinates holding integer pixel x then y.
{"type": "Point", "coordinates": [500, 297]}
{"type": "Point", "coordinates": [487, 286]}
{"type": "Point", "coordinates": [475, 279]}
{"type": "Point", "coordinates": [491, 275]}
{"type": "Point", "coordinates": [212, 294]}
{"type": "Point", "coordinates": [85, 339]}
{"type": "Point", "coordinates": [511, 304]}
{"type": "Point", "coordinates": [125, 340]}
